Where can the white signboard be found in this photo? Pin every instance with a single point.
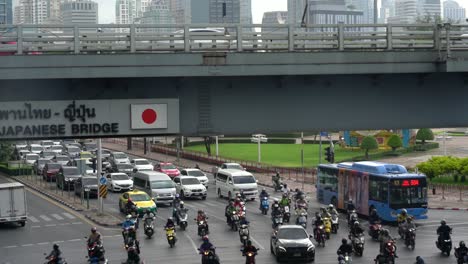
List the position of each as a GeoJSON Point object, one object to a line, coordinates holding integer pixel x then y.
{"type": "Point", "coordinates": [88, 118]}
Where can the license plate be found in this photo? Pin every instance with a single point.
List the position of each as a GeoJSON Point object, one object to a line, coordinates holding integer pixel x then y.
{"type": "Point", "coordinates": [296, 254]}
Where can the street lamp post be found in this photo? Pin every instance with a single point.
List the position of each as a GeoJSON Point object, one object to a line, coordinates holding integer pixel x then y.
{"type": "Point", "coordinates": [258, 138]}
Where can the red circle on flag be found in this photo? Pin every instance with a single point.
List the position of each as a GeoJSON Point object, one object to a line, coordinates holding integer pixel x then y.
{"type": "Point", "coordinates": [149, 116]}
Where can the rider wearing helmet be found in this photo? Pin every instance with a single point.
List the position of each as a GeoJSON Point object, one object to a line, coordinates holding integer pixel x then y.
{"type": "Point", "coordinates": [345, 248]}
{"type": "Point", "coordinates": [228, 211]}
{"type": "Point", "coordinates": [95, 236]}
{"type": "Point", "coordinates": [170, 223]}
{"type": "Point", "coordinates": [284, 200]}
{"type": "Point", "coordinates": [175, 205]}
{"type": "Point", "coordinates": [263, 193]}
{"type": "Point", "coordinates": [324, 212]}
{"type": "Point", "coordinates": [55, 255]}
{"type": "Point", "coordinates": [462, 252]}
{"type": "Point", "coordinates": [276, 209]}
{"type": "Point", "coordinates": [331, 210]}
{"type": "Point", "coordinates": [317, 222]}
{"type": "Point", "coordinates": [177, 211]}
{"type": "Point", "coordinates": [206, 245]}
{"type": "Point", "coordinates": [402, 216]}
{"type": "Point", "coordinates": [201, 216]}
{"type": "Point", "coordinates": [374, 217]}
{"type": "Point", "coordinates": [356, 229]}
{"type": "Point", "coordinates": [443, 231]}
{"type": "Point", "coordinates": [384, 237]}
{"type": "Point", "coordinates": [249, 248]}
{"type": "Point", "coordinates": [419, 260]}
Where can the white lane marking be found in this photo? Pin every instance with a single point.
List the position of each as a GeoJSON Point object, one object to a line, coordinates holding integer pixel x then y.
{"type": "Point", "coordinates": [43, 243]}
{"type": "Point", "coordinates": [27, 245]}
{"type": "Point", "coordinates": [33, 219]}
{"type": "Point", "coordinates": [74, 240]}
{"type": "Point", "coordinates": [454, 224]}
{"type": "Point", "coordinates": [35, 226]}
{"type": "Point", "coordinates": [59, 241]}
{"type": "Point", "coordinates": [69, 216]}
{"type": "Point", "coordinates": [56, 216]}
{"type": "Point", "coordinates": [210, 204]}
{"type": "Point", "coordinates": [256, 242]}
{"type": "Point", "coordinates": [45, 218]}
{"type": "Point", "coordinates": [191, 242]}
{"type": "Point", "coordinates": [10, 247]}
{"type": "Point", "coordinates": [76, 223]}
{"type": "Point", "coordinates": [50, 225]}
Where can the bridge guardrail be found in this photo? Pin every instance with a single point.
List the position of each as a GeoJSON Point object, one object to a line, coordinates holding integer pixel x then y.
{"type": "Point", "coordinates": [111, 39]}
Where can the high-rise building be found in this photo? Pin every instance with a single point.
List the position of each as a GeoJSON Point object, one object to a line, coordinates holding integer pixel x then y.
{"type": "Point", "coordinates": [366, 6]}
{"type": "Point", "coordinates": [143, 5]}
{"type": "Point", "coordinates": [79, 12]}
{"type": "Point", "coordinates": [387, 9]}
{"type": "Point", "coordinates": [429, 10]}
{"type": "Point", "coordinates": [296, 11]}
{"type": "Point", "coordinates": [125, 11]}
{"type": "Point", "coordinates": [274, 18]}
{"type": "Point", "coordinates": [333, 12]}
{"type": "Point", "coordinates": [6, 12]}
{"type": "Point", "coordinates": [406, 12]}
{"type": "Point", "coordinates": [182, 11]}
{"type": "Point", "coordinates": [157, 12]}
{"type": "Point", "coordinates": [453, 12]}
{"type": "Point", "coordinates": [230, 11]}
{"type": "Point", "coordinates": [24, 13]}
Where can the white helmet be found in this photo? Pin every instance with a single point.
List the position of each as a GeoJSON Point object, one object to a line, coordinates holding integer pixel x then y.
{"type": "Point", "coordinates": [129, 216]}
{"type": "Point", "coordinates": [331, 206]}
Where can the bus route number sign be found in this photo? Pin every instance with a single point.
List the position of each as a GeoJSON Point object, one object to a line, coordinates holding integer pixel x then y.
{"type": "Point", "coordinates": [406, 183]}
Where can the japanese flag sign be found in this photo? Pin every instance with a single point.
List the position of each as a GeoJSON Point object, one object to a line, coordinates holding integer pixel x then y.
{"type": "Point", "coordinates": [148, 116]}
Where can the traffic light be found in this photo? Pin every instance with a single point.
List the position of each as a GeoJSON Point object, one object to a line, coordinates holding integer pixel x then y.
{"type": "Point", "coordinates": [329, 155]}
{"type": "Point", "coordinates": [93, 164]}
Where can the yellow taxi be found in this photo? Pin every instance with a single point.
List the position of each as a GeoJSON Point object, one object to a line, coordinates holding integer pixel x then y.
{"type": "Point", "coordinates": [86, 155]}
{"type": "Point", "coordinates": [142, 200]}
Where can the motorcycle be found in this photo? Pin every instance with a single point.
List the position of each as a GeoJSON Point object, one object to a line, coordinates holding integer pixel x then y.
{"type": "Point", "coordinates": [352, 217]}
{"type": "Point", "coordinates": [209, 257]}
{"type": "Point", "coordinates": [249, 257]}
{"type": "Point", "coordinates": [335, 223]}
{"type": "Point", "coordinates": [202, 229]}
{"type": "Point", "coordinates": [234, 221]}
{"type": "Point", "coordinates": [264, 205]}
{"type": "Point", "coordinates": [278, 185]}
{"type": "Point", "coordinates": [344, 259]}
{"type": "Point", "coordinates": [133, 255]}
{"type": "Point", "coordinates": [53, 260]}
{"type": "Point", "coordinates": [302, 219]}
{"type": "Point", "coordinates": [358, 244]}
{"type": "Point", "coordinates": [446, 246]}
{"type": "Point", "coordinates": [149, 227]}
{"type": "Point", "coordinates": [277, 221]}
{"type": "Point", "coordinates": [286, 214]}
{"type": "Point", "coordinates": [327, 226]}
{"type": "Point", "coordinates": [171, 237]}
{"type": "Point", "coordinates": [374, 231]}
{"type": "Point", "coordinates": [389, 256]}
{"type": "Point", "coordinates": [410, 238]}
{"type": "Point", "coordinates": [182, 216]}
{"type": "Point", "coordinates": [320, 236]}
{"type": "Point", "coordinates": [96, 253]}
{"type": "Point", "coordinates": [460, 256]}
{"type": "Point", "coordinates": [244, 234]}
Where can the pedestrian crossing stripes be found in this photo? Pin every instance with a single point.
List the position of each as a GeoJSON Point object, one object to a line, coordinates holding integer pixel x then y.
{"type": "Point", "coordinates": [45, 218]}
{"type": "Point", "coordinates": [33, 219]}
{"type": "Point", "coordinates": [69, 216]}
{"type": "Point", "coordinates": [58, 217]}
{"type": "Point", "coordinates": [51, 217]}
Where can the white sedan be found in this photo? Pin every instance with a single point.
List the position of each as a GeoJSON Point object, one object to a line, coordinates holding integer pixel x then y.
{"type": "Point", "coordinates": [142, 164]}
{"type": "Point", "coordinates": [119, 181]}
{"type": "Point", "coordinates": [201, 176]}
{"type": "Point", "coordinates": [188, 186]}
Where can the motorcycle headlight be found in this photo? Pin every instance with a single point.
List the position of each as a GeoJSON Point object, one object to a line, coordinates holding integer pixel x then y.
{"type": "Point", "coordinates": [282, 249]}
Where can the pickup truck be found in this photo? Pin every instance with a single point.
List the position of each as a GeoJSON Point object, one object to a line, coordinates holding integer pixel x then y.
{"type": "Point", "coordinates": [13, 208]}
{"type": "Point", "coordinates": [234, 166]}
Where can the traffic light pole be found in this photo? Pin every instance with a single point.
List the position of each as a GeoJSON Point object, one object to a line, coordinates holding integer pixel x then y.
{"type": "Point", "coordinates": [320, 147]}
{"type": "Point", "coordinates": [99, 173]}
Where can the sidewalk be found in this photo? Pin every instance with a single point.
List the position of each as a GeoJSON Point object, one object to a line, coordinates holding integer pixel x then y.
{"type": "Point", "coordinates": [451, 201]}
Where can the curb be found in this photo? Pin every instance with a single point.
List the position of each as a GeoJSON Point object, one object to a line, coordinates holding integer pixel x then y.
{"type": "Point", "coordinates": [99, 222]}
{"type": "Point", "coordinates": [47, 194]}
{"type": "Point", "coordinates": [448, 209]}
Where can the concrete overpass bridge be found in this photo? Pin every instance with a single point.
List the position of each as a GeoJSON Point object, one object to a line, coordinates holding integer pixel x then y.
{"type": "Point", "coordinates": [232, 79]}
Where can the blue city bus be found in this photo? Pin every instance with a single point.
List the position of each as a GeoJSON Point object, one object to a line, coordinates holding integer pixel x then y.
{"type": "Point", "coordinates": [385, 187]}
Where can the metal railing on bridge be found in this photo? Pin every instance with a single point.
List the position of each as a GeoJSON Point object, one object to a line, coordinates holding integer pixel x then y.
{"type": "Point", "coordinates": [135, 38]}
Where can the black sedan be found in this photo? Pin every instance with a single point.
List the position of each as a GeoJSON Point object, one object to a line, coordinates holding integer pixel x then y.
{"type": "Point", "coordinates": [292, 242]}
{"type": "Point", "coordinates": [86, 184]}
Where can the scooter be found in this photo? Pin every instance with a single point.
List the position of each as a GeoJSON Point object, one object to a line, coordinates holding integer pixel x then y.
{"type": "Point", "coordinates": [209, 257]}
{"type": "Point", "coordinates": [265, 205]}
{"type": "Point", "coordinates": [286, 214]}
{"type": "Point", "coordinates": [327, 226]}
{"type": "Point", "coordinates": [149, 227]}
{"type": "Point", "coordinates": [171, 237]}
{"type": "Point", "coordinates": [234, 221]}
{"type": "Point", "coordinates": [249, 257]}
{"type": "Point", "coordinates": [389, 256]}
{"type": "Point", "coordinates": [446, 246]}
{"type": "Point", "coordinates": [460, 256]}
{"type": "Point", "coordinates": [358, 244]}
{"type": "Point", "coordinates": [202, 230]}
{"type": "Point", "coordinates": [374, 230]}
{"type": "Point", "coordinates": [410, 238]}
{"type": "Point", "coordinates": [320, 236]}
{"type": "Point", "coordinates": [302, 219]}
{"type": "Point", "coordinates": [335, 224]}
{"type": "Point", "coordinates": [277, 221]}
{"type": "Point", "coordinates": [96, 253]}
{"type": "Point", "coordinates": [244, 234]}
{"type": "Point", "coordinates": [344, 259]}
{"type": "Point", "coordinates": [53, 260]}
{"type": "Point", "coordinates": [183, 216]}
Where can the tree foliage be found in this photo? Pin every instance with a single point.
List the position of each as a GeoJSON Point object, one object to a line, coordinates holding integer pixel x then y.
{"type": "Point", "coordinates": [6, 151]}
{"type": "Point", "coordinates": [394, 142]}
{"type": "Point", "coordinates": [424, 134]}
{"type": "Point", "coordinates": [444, 166]}
{"type": "Point", "coordinates": [369, 143]}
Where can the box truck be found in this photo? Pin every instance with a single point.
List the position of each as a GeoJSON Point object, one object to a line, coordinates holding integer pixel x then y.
{"type": "Point", "coordinates": [13, 208]}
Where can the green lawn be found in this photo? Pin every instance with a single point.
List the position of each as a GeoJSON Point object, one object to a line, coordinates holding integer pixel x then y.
{"type": "Point", "coordinates": [448, 180]}
{"type": "Point", "coordinates": [284, 155]}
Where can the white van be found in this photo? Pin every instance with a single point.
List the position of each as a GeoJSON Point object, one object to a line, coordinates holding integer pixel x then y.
{"type": "Point", "coordinates": [156, 184]}
{"type": "Point", "coordinates": [231, 181]}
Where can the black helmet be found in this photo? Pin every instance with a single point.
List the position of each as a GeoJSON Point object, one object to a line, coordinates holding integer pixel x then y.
{"type": "Point", "coordinates": [344, 241]}
{"type": "Point", "coordinates": [374, 210]}
{"type": "Point", "coordinates": [462, 243]}
{"type": "Point", "coordinates": [148, 211]}
{"type": "Point", "coordinates": [56, 246]}
{"type": "Point", "coordinates": [443, 222]}
{"type": "Point", "coordinates": [249, 243]}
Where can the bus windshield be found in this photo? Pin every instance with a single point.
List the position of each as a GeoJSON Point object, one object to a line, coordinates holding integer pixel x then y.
{"type": "Point", "coordinates": [410, 193]}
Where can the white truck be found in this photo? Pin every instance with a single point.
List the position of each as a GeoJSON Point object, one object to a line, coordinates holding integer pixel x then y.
{"type": "Point", "coordinates": [13, 208]}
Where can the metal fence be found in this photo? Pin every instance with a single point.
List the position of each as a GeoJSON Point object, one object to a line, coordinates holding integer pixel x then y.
{"type": "Point", "coordinates": [114, 39]}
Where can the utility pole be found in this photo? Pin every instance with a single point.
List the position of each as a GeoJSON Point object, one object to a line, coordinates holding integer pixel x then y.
{"type": "Point", "coordinates": [99, 173]}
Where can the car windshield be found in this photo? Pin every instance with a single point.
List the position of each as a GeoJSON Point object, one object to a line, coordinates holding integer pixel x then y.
{"type": "Point", "coordinates": [124, 167]}
{"type": "Point", "coordinates": [22, 148]}
{"type": "Point", "coordinates": [86, 155]}
{"type": "Point", "coordinates": [47, 143]}
{"type": "Point", "coordinates": [411, 196]}
{"type": "Point", "coordinates": [48, 153]}
{"type": "Point", "coordinates": [162, 184]}
{"type": "Point", "coordinates": [120, 177]}
{"type": "Point", "coordinates": [190, 181]}
{"type": "Point", "coordinates": [168, 167]}
{"type": "Point", "coordinates": [42, 162]}
{"type": "Point", "coordinates": [54, 166]}
{"type": "Point", "coordinates": [64, 158]}
{"type": "Point", "coordinates": [37, 148]}
{"type": "Point", "coordinates": [32, 157]}
{"type": "Point", "coordinates": [55, 147]}
{"type": "Point", "coordinates": [120, 156]}
{"type": "Point", "coordinates": [196, 173]}
{"type": "Point", "coordinates": [234, 167]}
{"type": "Point", "coordinates": [140, 197]}
{"type": "Point", "coordinates": [243, 179]}
{"type": "Point", "coordinates": [292, 233]}
{"type": "Point", "coordinates": [89, 181]}
{"type": "Point", "coordinates": [141, 162]}
{"type": "Point", "coordinates": [73, 149]}
{"type": "Point", "coordinates": [90, 145]}
{"type": "Point", "coordinates": [70, 171]}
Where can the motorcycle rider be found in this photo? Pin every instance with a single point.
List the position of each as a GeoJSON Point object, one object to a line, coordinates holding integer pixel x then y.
{"type": "Point", "coordinates": [127, 224]}
{"type": "Point", "coordinates": [443, 231]}
{"type": "Point", "coordinates": [228, 211]}
{"type": "Point", "coordinates": [276, 179]}
{"type": "Point", "coordinates": [177, 211]}
{"type": "Point", "coordinates": [317, 222]}
{"type": "Point", "coordinates": [170, 223]}
{"type": "Point", "coordinates": [419, 260]}
{"type": "Point", "coordinates": [349, 208]}
{"type": "Point", "coordinates": [356, 230]}
{"type": "Point", "coordinates": [238, 203]}
{"type": "Point", "coordinates": [402, 220]}
{"type": "Point", "coordinates": [345, 248]}
{"type": "Point", "coordinates": [324, 212]}
{"type": "Point", "coordinates": [301, 202]}
{"type": "Point", "coordinates": [201, 216]}
{"type": "Point", "coordinates": [55, 254]}
{"type": "Point", "coordinates": [298, 194]}
{"type": "Point", "coordinates": [207, 246]}
{"type": "Point", "coordinates": [462, 251]}
{"type": "Point", "coordinates": [149, 217]}
{"type": "Point", "coordinates": [284, 200]}
{"type": "Point", "coordinates": [175, 205]}
{"type": "Point", "coordinates": [332, 210]}
{"type": "Point", "coordinates": [133, 253]}
{"type": "Point", "coordinates": [374, 217]}
{"type": "Point", "coordinates": [384, 238]}
{"type": "Point", "coordinates": [95, 237]}
{"type": "Point", "coordinates": [409, 224]}
{"type": "Point", "coordinates": [130, 206]}
{"type": "Point", "coordinates": [249, 248]}
{"type": "Point", "coordinates": [261, 196]}
{"type": "Point", "coordinates": [276, 209]}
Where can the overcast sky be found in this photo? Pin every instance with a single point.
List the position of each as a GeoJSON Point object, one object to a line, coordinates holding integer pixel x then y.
{"type": "Point", "coordinates": [107, 8]}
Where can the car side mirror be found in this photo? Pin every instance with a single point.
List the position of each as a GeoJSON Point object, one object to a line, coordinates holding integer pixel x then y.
{"type": "Point", "coordinates": [230, 182]}
{"type": "Point", "coordinates": [178, 183]}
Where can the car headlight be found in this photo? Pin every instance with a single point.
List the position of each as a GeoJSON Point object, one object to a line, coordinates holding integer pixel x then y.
{"type": "Point", "coordinates": [311, 248]}
{"type": "Point", "coordinates": [282, 249]}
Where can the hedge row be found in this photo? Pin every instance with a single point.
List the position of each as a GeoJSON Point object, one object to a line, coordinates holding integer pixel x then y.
{"type": "Point", "coordinates": [381, 155]}
{"type": "Point", "coordinates": [15, 171]}
{"type": "Point", "coordinates": [246, 140]}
